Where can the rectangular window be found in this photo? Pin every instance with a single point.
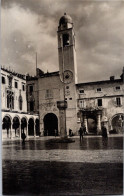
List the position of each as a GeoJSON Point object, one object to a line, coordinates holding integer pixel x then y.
{"type": "Point", "coordinates": [117, 88]}
{"type": "Point", "coordinates": [99, 101]}
{"type": "Point", "coordinates": [3, 80]}
{"type": "Point", "coordinates": [81, 91]}
{"type": "Point", "coordinates": [31, 106]}
{"type": "Point", "coordinates": [118, 101]}
{"type": "Point", "coordinates": [99, 89]}
{"type": "Point", "coordinates": [23, 87]}
{"type": "Point", "coordinates": [49, 93]}
{"type": "Point", "coordinates": [16, 84]}
{"type": "Point", "coordinates": [30, 89]}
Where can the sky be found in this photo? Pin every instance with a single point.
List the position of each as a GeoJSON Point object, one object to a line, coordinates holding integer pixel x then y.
{"type": "Point", "coordinates": [30, 26]}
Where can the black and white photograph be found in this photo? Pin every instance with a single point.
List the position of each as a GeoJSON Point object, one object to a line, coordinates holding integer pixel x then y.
{"type": "Point", "coordinates": [62, 103]}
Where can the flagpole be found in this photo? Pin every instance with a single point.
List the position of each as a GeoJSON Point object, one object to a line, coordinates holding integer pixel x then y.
{"type": "Point", "coordinates": [36, 63]}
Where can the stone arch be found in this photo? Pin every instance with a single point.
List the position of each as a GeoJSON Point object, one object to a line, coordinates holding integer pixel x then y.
{"type": "Point", "coordinates": [92, 123]}
{"type": "Point", "coordinates": [37, 126]}
{"type": "Point", "coordinates": [31, 126]}
{"type": "Point", "coordinates": [117, 123]}
{"type": "Point", "coordinates": [7, 116]}
{"type": "Point", "coordinates": [6, 125]}
{"type": "Point", "coordinates": [50, 124]}
{"type": "Point", "coordinates": [23, 124]}
{"type": "Point", "coordinates": [16, 125]}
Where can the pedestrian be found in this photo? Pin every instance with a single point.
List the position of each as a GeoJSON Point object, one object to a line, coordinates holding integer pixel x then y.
{"type": "Point", "coordinates": [81, 133]}
{"type": "Point", "coordinates": [70, 132]}
{"type": "Point", "coordinates": [84, 129]}
{"type": "Point", "coordinates": [104, 131]}
{"type": "Point", "coordinates": [23, 136]}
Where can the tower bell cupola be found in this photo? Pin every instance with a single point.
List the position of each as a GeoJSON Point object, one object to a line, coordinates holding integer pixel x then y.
{"type": "Point", "coordinates": [65, 22]}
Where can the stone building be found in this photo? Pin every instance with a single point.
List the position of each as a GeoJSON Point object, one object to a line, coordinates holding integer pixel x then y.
{"type": "Point", "coordinates": [15, 118]}
{"type": "Point", "coordinates": [62, 103]}
{"type": "Point", "coordinates": [97, 100]}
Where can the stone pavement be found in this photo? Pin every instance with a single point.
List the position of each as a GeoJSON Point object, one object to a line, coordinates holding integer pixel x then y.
{"type": "Point", "coordinates": [91, 167]}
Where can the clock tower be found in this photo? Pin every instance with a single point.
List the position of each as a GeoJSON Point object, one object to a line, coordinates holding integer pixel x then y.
{"type": "Point", "coordinates": [68, 68]}
{"type": "Point", "coordinates": [66, 50]}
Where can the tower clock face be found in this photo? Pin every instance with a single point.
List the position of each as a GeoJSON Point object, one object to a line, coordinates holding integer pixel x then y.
{"type": "Point", "coordinates": [68, 76]}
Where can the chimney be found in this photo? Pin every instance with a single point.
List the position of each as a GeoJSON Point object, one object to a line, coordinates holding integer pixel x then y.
{"type": "Point", "coordinates": [112, 78]}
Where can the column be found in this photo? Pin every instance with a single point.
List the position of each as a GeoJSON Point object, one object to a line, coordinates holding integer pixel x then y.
{"type": "Point", "coordinates": [63, 132]}
{"type": "Point", "coordinates": [20, 132]}
{"type": "Point", "coordinates": [85, 123]}
{"type": "Point", "coordinates": [26, 131]}
{"type": "Point", "coordinates": [98, 124]}
{"type": "Point", "coordinates": [11, 130]}
{"type": "Point", "coordinates": [34, 129]}
{"type": "Point", "coordinates": [62, 105]}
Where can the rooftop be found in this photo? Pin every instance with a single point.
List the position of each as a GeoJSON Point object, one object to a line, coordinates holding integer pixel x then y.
{"type": "Point", "coordinates": [22, 76]}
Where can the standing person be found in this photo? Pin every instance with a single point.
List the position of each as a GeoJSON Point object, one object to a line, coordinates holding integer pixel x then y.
{"type": "Point", "coordinates": [104, 131]}
{"type": "Point", "coordinates": [70, 132]}
{"type": "Point", "coordinates": [23, 136]}
{"type": "Point", "coordinates": [84, 129]}
{"type": "Point", "coordinates": [81, 133]}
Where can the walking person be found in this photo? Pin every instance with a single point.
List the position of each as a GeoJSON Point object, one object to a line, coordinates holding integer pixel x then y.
{"type": "Point", "coordinates": [81, 133]}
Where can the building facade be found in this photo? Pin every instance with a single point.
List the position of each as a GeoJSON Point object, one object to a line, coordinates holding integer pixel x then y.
{"type": "Point", "coordinates": [56, 102]}
{"type": "Point", "coordinates": [15, 118]}
{"type": "Point", "coordinates": [97, 100]}
{"type": "Point", "coordinates": [89, 103]}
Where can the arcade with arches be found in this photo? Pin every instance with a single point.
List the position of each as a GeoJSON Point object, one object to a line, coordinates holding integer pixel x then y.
{"type": "Point", "coordinates": [14, 125]}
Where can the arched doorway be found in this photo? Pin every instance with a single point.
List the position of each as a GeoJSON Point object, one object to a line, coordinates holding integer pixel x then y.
{"type": "Point", "coordinates": [50, 124]}
{"type": "Point", "coordinates": [37, 127]}
{"type": "Point", "coordinates": [6, 126]}
{"type": "Point", "coordinates": [16, 125]}
{"type": "Point", "coordinates": [92, 125]}
{"type": "Point", "coordinates": [117, 123]}
{"type": "Point", "coordinates": [23, 125]}
{"type": "Point", "coordinates": [31, 127]}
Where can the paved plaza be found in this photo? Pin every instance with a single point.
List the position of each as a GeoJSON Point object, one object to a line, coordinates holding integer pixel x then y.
{"type": "Point", "coordinates": [40, 167]}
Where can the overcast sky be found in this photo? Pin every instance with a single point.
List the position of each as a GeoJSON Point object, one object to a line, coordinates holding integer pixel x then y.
{"type": "Point", "coordinates": [30, 26]}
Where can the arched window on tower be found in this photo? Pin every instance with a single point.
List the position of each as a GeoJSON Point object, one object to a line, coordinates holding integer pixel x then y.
{"type": "Point", "coordinates": [3, 80]}
{"type": "Point", "coordinates": [65, 40]}
{"type": "Point", "coordinates": [20, 102]}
